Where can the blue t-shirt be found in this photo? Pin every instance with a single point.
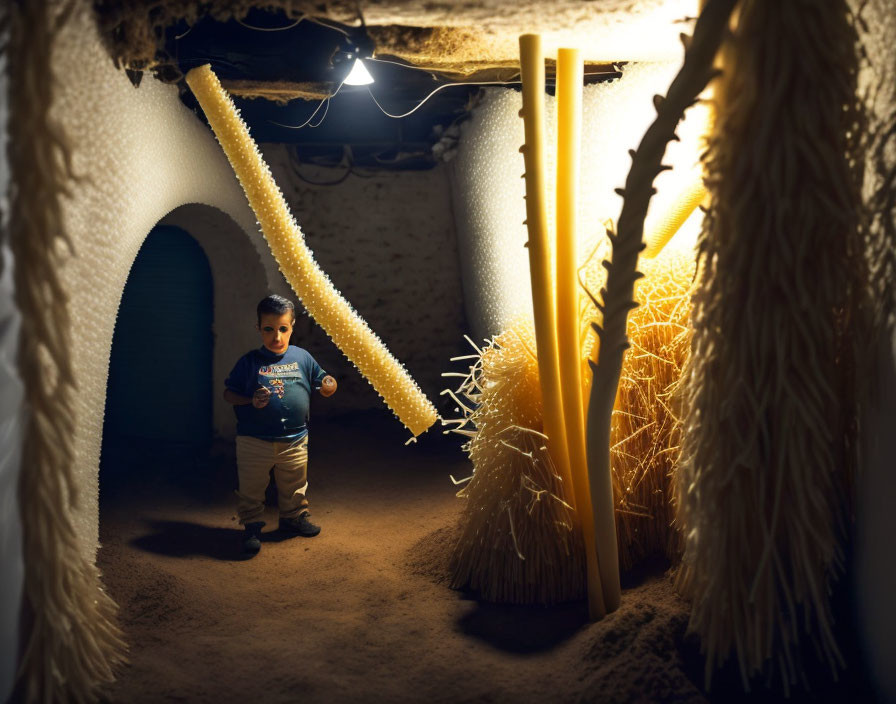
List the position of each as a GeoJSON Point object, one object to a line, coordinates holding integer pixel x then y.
{"type": "Point", "coordinates": [289, 377]}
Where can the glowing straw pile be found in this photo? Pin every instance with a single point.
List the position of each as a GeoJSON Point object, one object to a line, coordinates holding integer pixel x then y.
{"type": "Point", "coordinates": [616, 300]}
{"type": "Point", "coordinates": [518, 543]}
{"type": "Point", "coordinates": [513, 474]}
{"type": "Point", "coordinates": [329, 309]}
{"type": "Point", "coordinates": [769, 443]}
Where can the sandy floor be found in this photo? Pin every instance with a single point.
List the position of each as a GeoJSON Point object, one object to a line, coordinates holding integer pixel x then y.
{"type": "Point", "coordinates": [362, 612]}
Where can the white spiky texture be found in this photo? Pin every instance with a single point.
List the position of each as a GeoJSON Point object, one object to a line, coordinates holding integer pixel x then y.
{"type": "Point", "coordinates": [141, 155]}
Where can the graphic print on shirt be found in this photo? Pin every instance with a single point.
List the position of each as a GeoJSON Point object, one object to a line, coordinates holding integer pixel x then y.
{"type": "Point", "coordinates": [285, 415]}
{"type": "Point", "coordinates": [291, 369]}
{"type": "Point", "coordinates": [282, 374]}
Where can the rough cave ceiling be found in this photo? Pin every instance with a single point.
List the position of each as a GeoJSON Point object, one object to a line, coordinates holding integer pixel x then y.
{"type": "Point", "coordinates": [283, 60]}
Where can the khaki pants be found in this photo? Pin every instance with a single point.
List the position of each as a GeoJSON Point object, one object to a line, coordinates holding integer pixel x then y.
{"type": "Point", "coordinates": [254, 459]}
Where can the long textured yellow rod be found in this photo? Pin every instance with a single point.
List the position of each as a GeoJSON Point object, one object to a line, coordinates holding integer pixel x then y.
{"type": "Point", "coordinates": [660, 232]}
{"type": "Point", "coordinates": [532, 69]}
{"type": "Point", "coordinates": [320, 298]}
{"type": "Point", "coordinates": [569, 131]}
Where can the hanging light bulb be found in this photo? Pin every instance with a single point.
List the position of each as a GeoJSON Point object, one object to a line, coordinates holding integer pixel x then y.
{"type": "Point", "coordinates": [359, 75]}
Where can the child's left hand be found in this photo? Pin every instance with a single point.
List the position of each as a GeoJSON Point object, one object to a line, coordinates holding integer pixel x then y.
{"type": "Point", "coordinates": [328, 386]}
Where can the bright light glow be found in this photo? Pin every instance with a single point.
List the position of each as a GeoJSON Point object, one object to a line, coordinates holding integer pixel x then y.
{"type": "Point", "coordinates": [490, 227]}
{"type": "Point", "coordinates": [359, 75]}
{"type": "Point", "coordinates": [685, 240]}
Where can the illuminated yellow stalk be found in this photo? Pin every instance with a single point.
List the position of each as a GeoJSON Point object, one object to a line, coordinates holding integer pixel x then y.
{"type": "Point", "coordinates": [569, 129]}
{"type": "Point", "coordinates": [532, 67]}
{"type": "Point", "coordinates": [659, 233]}
{"type": "Point", "coordinates": [320, 298]}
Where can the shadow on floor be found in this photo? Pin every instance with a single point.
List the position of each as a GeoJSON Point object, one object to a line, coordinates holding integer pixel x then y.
{"type": "Point", "coordinates": [530, 629]}
{"type": "Point", "coordinates": [183, 539]}
{"type": "Point", "coordinates": [524, 629]}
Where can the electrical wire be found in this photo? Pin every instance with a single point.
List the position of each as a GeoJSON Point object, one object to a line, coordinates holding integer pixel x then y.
{"type": "Point", "coordinates": [306, 123]}
{"type": "Point", "coordinates": [335, 27]}
{"type": "Point", "coordinates": [416, 107]}
{"type": "Point", "coordinates": [347, 160]}
{"type": "Point", "coordinates": [272, 29]}
{"type": "Point", "coordinates": [253, 27]}
{"type": "Point", "coordinates": [322, 117]}
{"type": "Point", "coordinates": [432, 93]}
{"type": "Point", "coordinates": [433, 73]}
{"type": "Point", "coordinates": [403, 65]}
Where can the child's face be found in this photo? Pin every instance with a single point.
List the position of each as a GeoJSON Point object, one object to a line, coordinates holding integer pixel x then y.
{"type": "Point", "coordinates": [275, 331]}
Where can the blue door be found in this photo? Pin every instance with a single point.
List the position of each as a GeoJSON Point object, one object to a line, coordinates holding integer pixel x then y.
{"type": "Point", "coordinates": [160, 371]}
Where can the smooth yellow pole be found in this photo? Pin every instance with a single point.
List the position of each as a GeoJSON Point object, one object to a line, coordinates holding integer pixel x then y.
{"type": "Point", "coordinates": [570, 70]}
{"type": "Point", "coordinates": [532, 67]}
{"type": "Point", "coordinates": [321, 299]}
{"type": "Point", "coordinates": [543, 305]}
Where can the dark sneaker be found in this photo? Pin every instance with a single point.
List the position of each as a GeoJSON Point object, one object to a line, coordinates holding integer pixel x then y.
{"type": "Point", "coordinates": [252, 537]}
{"type": "Point", "coordinates": [299, 526]}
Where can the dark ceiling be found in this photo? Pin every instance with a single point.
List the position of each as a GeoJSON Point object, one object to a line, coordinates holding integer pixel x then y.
{"type": "Point", "coordinates": [268, 49]}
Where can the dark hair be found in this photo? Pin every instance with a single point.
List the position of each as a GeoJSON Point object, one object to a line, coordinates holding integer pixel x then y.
{"type": "Point", "coordinates": [278, 305]}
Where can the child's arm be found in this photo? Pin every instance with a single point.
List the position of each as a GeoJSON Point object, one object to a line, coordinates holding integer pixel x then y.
{"type": "Point", "coordinates": [327, 386]}
{"type": "Point", "coordinates": [259, 399]}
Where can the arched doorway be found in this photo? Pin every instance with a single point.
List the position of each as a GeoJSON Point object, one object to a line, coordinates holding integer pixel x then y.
{"type": "Point", "coordinates": [159, 390]}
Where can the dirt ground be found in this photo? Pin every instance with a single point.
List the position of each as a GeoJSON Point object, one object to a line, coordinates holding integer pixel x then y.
{"type": "Point", "coordinates": [363, 612]}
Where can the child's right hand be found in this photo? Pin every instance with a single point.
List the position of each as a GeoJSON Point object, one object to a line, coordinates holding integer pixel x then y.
{"type": "Point", "coordinates": [261, 397]}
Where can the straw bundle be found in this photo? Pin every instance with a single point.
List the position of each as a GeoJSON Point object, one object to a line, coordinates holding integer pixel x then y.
{"type": "Point", "coordinates": [518, 543]}
{"type": "Point", "coordinates": [71, 641]}
{"type": "Point", "coordinates": [501, 400]}
{"type": "Point", "coordinates": [769, 439]}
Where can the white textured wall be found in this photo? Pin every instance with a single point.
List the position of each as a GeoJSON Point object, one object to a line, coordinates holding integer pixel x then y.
{"type": "Point", "coordinates": [489, 193]}
{"type": "Point", "coordinates": [388, 243]}
{"type": "Point", "coordinates": [144, 155]}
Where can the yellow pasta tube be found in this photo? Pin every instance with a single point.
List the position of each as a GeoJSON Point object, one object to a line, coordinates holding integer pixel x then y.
{"type": "Point", "coordinates": [543, 305]}
{"type": "Point", "coordinates": [315, 290]}
{"type": "Point", "coordinates": [569, 128]}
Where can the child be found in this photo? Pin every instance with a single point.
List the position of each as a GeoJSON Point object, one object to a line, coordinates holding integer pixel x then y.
{"type": "Point", "coordinates": [270, 390]}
